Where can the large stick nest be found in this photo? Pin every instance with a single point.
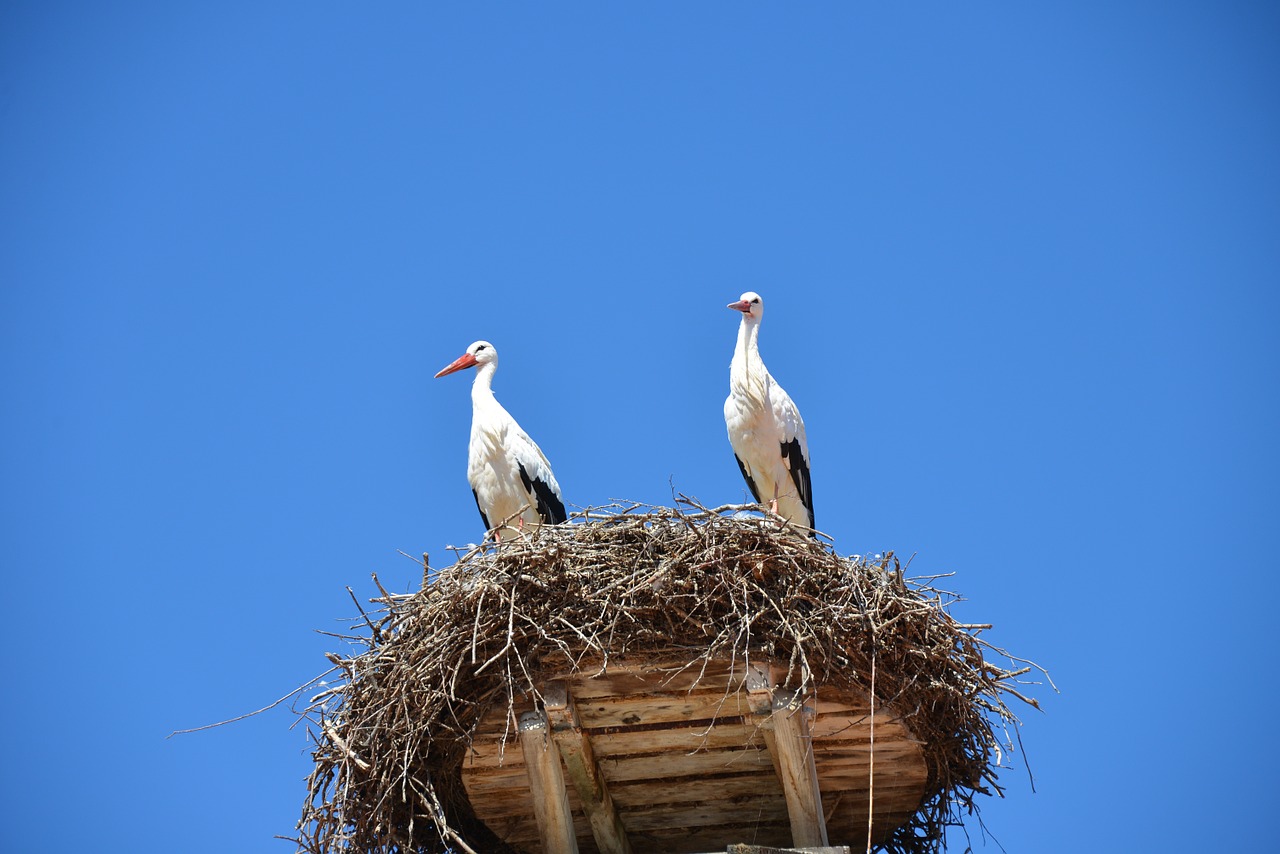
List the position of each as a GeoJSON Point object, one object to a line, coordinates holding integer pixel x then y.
{"type": "Point", "coordinates": [691, 585]}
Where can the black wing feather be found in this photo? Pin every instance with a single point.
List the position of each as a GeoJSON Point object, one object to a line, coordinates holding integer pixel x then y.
{"type": "Point", "coordinates": [751, 484]}
{"type": "Point", "coordinates": [483, 518]}
{"type": "Point", "coordinates": [550, 507]}
{"type": "Point", "coordinates": [799, 468]}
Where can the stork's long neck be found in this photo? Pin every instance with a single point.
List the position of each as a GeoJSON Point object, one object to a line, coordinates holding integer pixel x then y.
{"type": "Point", "coordinates": [482, 398]}
{"type": "Point", "coordinates": [747, 374]}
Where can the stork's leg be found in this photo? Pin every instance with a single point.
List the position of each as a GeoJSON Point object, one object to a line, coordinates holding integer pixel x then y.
{"type": "Point", "coordinates": [773, 505]}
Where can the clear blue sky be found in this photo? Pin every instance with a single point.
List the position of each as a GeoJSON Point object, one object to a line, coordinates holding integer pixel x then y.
{"type": "Point", "coordinates": [1021, 264]}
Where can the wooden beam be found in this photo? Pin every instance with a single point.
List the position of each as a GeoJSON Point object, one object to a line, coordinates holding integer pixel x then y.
{"type": "Point", "coordinates": [785, 724]}
{"type": "Point", "coordinates": [793, 747]}
{"type": "Point", "coordinates": [546, 785]}
{"type": "Point", "coordinates": [582, 768]}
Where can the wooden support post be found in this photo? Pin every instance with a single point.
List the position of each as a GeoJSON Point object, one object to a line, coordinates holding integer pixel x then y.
{"type": "Point", "coordinates": [793, 747]}
{"type": "Point", "coordinates": [546, 784]}
{"type": "Point", "coordinates": [786, 734]}
{"type": "Point", "coordinates": [580, 764]}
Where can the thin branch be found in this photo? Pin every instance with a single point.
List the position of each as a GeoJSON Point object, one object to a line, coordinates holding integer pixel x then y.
{"type": "Point", "coordinates": [296, 691]}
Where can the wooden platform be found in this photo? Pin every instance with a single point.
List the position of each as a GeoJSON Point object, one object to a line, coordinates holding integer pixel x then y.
{"type": "Point", "coordinates": [650, 760]}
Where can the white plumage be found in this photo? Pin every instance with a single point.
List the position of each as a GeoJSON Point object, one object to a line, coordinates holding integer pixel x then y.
{"type": "Point", "coordinates": [508, 472]}
{"type": "Point", "coordinates": [765, 427]}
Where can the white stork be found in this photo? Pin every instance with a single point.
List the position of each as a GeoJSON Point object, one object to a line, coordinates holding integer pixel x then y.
{"type": "Point", "coordinates": [765, 427]}
{"type": "Point", "coordinates": [508, 472]}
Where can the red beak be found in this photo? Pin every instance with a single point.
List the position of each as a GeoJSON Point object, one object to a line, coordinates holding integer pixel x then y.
{"type": "Point", "coordinates": [741, 305]}
{"type": "Point", "coordinates": [466, 360]}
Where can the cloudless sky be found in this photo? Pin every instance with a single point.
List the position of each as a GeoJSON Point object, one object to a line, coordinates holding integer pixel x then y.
{"type": "Point", "coordinates": [1021, 267]}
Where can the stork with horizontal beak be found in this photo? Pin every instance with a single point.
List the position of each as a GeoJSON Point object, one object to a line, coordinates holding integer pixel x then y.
{"type": "Point", "coordinates": [510, 476]}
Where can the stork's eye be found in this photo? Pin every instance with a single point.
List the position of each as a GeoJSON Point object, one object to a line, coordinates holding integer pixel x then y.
{"type": "Point", "coordinates": [755, 301]}
{"type": "Point", "coordinates": [481, 347]}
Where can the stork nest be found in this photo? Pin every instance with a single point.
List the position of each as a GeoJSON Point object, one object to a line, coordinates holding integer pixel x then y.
{"type": "Point", "coordinates": [637, 581]}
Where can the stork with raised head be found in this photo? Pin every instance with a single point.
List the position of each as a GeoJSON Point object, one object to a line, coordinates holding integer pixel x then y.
{"type": "Point", "coordinates": [508, 472]}
{"type": "Point", "coordinates": [765, 427]}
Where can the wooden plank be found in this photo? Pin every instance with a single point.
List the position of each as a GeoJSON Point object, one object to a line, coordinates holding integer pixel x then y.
{"type": "Point", "coordinates": [890, 793]}
{"type": "Point", "coordinates": [660, 707]}
{"type": "Point", "coordinates": [843, 704]}
{"type": "Point", "coordinates": [546, 785]}
{"type": "Point", "coordinates": [703, 763]}
{"type": "Point", "coordinates": [639, 679]}
{"type": "Point", "coordinates": [516, 800]}
{"type": "Point", "coordinates": [712, 818]}
{"type": "Point", "coordinates": [492, 754]}
{"type": "Point", "coordinates": [501, 723]}
{"type": "Point", "coordinates": [829, 755]}
{"type": "Point", "coordinates": [842, 725]}
{"type": "Point", "coordinates": [620, 769]}
{"type": "Point", "coordinates": [855, 784]}
{"type": "Point", "coordinates": [709, 815]}
{"type": "Point", "coordinates": [740, 789]}
{"type": "Point", "coordinates": [617, 742]}
{"type": "Point", "coordinates": [580, 764]}
{"type": "Point", "coordinates": [791, 747]}
{"type": "Point", "coordinates": [649, 793]}
{"type": "Point", "coordinates": [722, 736]}
{"type": "Point", "coordinates": [484, 780]}
{"type": "Point", "coordinates": [888, 789]}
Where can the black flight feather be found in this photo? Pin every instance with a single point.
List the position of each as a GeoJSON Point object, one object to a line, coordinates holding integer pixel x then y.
{"type": "Point", "coordinates": [799, 475]}
{"type": "Point", "coordinates": [550, 507]}
{"type": "Point", "coordinates": [751, 484]}
{"type": "Point", "coordinates": [483, 518]}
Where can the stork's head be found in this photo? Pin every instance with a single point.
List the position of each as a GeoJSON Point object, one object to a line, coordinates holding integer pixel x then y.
{"type": "Point", "coordinates": [749, 304]}
{"type": "Point", "coordinates": [479, 353]}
